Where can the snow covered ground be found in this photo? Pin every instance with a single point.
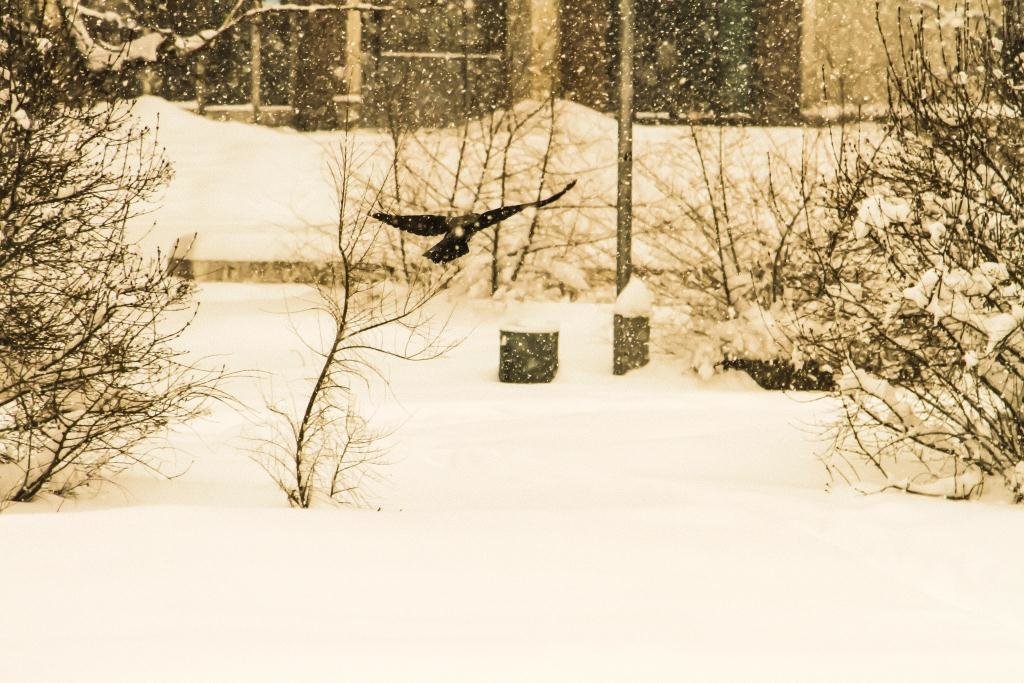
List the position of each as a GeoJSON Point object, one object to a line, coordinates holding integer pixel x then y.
{"type": "Point", "coordinates": [641, 528]}
{"type": "Point", "coordinates": [651, 527]}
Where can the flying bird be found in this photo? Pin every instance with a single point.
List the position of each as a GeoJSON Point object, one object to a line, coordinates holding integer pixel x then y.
{"type": "Point", "coordinates": [457, 230]}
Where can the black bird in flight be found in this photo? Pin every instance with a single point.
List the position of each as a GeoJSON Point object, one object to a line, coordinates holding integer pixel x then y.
{"type": "Point", "coordinates": [458, 229]}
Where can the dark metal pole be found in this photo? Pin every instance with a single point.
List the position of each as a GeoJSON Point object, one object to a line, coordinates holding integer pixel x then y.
{"type": "Point", "coordinates": [630, 334]}
{"type": "Point", "coordinates": [624, 200]}
{"type": "Point", "coordinates": [256, 68]}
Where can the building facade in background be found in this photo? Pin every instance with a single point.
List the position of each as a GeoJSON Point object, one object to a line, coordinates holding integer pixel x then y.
{"type": "Point", "coordinates": [421, 62]}
{"type": "Point", "coordinates": [766, 61]}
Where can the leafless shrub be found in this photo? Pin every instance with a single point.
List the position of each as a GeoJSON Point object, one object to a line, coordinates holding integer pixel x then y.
{"type": "Point", "coordinates": [327, 447]}
{"type": "Point", "coordinates": [88, 372]}
{"type": "Point", "coordinates": [717, 243]}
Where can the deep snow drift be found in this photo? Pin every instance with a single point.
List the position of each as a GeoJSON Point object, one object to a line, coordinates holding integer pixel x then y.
{"type": "Point", "coordinates": [646, 527]}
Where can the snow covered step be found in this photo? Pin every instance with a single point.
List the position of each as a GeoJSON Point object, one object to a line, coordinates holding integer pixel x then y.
{"type": "Point", "coordinates": [269, 115]}
{"type": "Point", "coordinates": [203, 270]}
{"type": "Point", "coordinates": [265, 255]}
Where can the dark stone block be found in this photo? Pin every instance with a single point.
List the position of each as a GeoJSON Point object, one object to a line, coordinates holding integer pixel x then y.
{"type": "Point", "coordinates": [631, 343]}
{"type": "Point", "coordinates": [528, 357]}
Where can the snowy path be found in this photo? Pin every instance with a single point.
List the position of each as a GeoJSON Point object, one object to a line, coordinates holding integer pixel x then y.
{"type": "Point", "coordinates": [644, 528]}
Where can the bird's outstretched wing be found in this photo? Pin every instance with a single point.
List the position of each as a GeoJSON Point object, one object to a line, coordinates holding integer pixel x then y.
{"type": "Point", "coordinates": [555, 197]}
{"type": "Point", "coordinates": [489, 218]}
{"type": "Point", "coordinates": [427, 225]}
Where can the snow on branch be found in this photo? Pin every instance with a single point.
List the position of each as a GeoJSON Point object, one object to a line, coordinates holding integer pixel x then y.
{"type": "Point", "coordinates": [151, 41]}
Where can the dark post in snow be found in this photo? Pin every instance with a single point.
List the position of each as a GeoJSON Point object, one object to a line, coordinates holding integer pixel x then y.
{"type": "Point", "coordinates": [630, 330]}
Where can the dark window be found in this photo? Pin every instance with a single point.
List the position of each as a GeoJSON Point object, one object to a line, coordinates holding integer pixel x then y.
{"type": "Point", "coordinates": [718, 59]}
{"type": "Point", "coordinates": [695, 59]}
{"type": "Point", "coordinates": [433, 63]}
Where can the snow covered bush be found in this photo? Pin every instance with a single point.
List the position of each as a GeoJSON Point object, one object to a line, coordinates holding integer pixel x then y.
{"type": "Point", "coordinates": [86, 367]}
{"type": "Point", "coordinates": [717, 230]}
{"type": "Point", "coordinates": [922, 271]}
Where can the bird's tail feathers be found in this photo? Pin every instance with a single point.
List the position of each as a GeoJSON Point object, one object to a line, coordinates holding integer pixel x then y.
{"type": "Point", "coordinates": [447, 250]}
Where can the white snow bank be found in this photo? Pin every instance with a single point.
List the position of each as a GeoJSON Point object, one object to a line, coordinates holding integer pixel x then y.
{"type": "Point", "coordinates": [232, 180]}
{"type": "Point", "coordinates": [233, 177]}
